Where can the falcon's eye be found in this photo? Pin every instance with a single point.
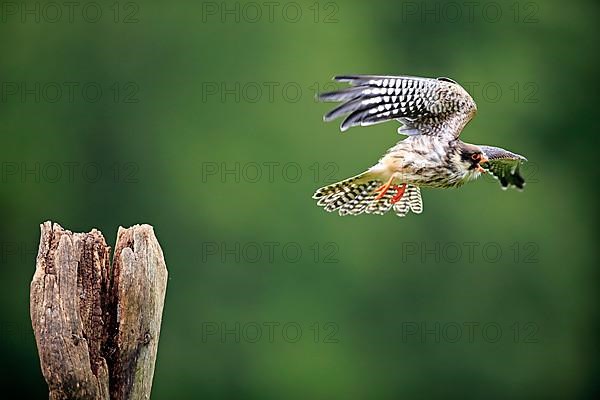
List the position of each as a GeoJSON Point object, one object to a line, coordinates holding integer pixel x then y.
{"type": "Point", "coordinates": [476, 157]}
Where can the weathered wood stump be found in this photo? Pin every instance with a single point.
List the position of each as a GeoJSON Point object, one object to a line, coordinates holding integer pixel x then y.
{"type": "Point", "coordinates": [97, 325]}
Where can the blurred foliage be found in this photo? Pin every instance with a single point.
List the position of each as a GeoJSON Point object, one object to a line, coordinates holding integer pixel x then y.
{"type": "Point", "coordinates": [170, 114]}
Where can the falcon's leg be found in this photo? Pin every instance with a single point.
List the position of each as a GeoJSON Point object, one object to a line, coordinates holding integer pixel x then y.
{"type": "Point", "coordinates": [400, 192]}
{"type": "Point", "coordinates": [382, 190]}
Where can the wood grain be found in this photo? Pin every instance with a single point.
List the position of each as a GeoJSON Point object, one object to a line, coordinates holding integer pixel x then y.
{"type": "Point", "coordinates": [97, 325]}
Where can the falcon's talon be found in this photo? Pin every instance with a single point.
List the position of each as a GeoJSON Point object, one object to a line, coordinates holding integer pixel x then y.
{"type": "Point", "coordinates": [400, 192]}
{"type": "Point", "coordinates": [382, 190]}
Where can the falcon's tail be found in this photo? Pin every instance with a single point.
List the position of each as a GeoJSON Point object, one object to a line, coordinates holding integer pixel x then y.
{"type": "Point", "coordinates": [358, 194]}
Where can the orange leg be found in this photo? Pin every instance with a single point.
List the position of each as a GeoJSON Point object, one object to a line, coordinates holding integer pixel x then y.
{"type": "Point", "coordinates": [382, 190]}
{"type": "Point", "coordinates": [400, 192]}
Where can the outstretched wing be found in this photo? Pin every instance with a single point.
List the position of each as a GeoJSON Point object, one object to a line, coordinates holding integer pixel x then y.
{"type": "Point", "coordinates": [424, 106]}
{"type": "Point", "coordinates": [504, 166]}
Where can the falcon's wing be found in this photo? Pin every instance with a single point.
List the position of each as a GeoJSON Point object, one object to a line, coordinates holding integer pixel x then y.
{"type": "Point", "coordinates": [425, 106]}
{"type": "Point", "coordinates": [504, 166]}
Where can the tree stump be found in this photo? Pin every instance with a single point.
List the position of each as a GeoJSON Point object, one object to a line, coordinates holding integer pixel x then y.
{"type": "Point", "coordinates": [97, 325]}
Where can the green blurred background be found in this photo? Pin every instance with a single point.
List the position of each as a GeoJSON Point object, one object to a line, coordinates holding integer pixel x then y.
{"type": "Point", "coordinates": [206, 127]}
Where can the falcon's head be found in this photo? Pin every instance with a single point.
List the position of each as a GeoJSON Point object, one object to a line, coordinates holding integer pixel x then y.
{"type": "Point", "coordinates": [470, 159]}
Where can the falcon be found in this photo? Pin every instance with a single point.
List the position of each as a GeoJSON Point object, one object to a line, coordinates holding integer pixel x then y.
{"type": "Point", "coordinates": [433, 112]}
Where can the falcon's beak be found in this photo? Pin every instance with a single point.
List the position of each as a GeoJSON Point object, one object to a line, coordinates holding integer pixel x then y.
{"type": "Point", "coordinates": [479, 167]}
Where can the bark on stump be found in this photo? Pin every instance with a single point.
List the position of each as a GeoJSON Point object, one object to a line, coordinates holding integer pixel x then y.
{"type": "Point", "coordinates": [97, 325]}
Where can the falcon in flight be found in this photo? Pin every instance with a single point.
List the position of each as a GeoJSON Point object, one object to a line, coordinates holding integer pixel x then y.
{"type": "Point", "coordinates": [433, 112]}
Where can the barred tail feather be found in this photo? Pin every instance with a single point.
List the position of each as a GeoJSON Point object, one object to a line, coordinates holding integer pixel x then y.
{"type": "Point", "coordinates": [348, 195]}
{"type": "Point", "coordinates": [411, 200]}
{"type": "Point", "coordinates": [357, 195]}
{"type": "Point", "coordinates": [380, 206]}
